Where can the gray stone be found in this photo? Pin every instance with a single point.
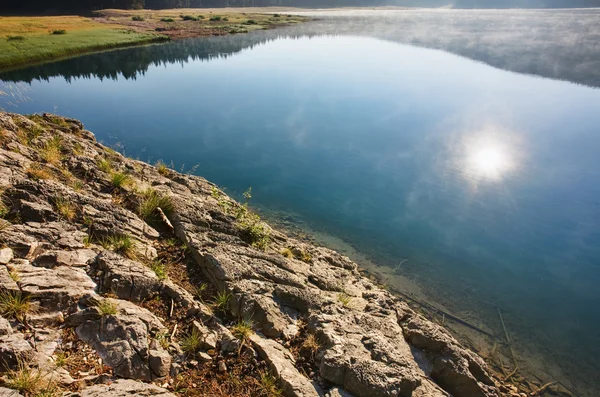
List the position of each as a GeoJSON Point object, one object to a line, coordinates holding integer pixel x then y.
{"type": "Point", "coordinates": [122, 388]}
{"type": "Point", "coordinates": [14, 348]}
{"type": "Point", "coordinates": [281, 363]}
{"type": "Point", "coordinates": [5, 327]}
{"type": "Point", "coordinates": [4, 392]}
{"type": "Point", "coordinates": [54, 258]}
{"type": "Point", "coordinates": [6, 255]}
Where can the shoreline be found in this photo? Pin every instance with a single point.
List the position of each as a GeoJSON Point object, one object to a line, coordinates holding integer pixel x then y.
{"type": "Point", "coordinates": [92, 237]}
{"type": "Point", "coordinates": [74, 36]}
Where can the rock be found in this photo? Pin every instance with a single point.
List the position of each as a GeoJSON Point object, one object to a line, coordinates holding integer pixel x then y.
{"type": "Point", "coordinates": [122, 388]}
{"type": "Point", "coordinates": [13, 348]}
{"type": "Point", "coordinates": [7, 283]}
{"type": "Point", "coordinates": [4, 392]}
{"type": "Point", "coordinates": [55, 289]}
{"type": "Point", "coordinates": [6, 255]}
{"type": "Point", "coordinates": [281, 363]}
{"type": "Point", "coordinates": [123, 342]}
{"type": "Point", "coordinates": [337, 392]}
{"type": "Point", "coordinates": [221, 366]}
{"type": "Point", "coordinates": [53, 258]}
{"type": "Point", "coordinates": [203, 357]}
{"type": "Point", "coordinates": [5, 327]}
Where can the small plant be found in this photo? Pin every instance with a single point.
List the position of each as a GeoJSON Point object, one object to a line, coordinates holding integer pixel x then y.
{"type": "Point", "coordinates": [200, 16]}
{"type": "Point", "coordinates": [120, 179]}
{"type": "Point", "coordinates": [162, 168]}
{"type": "Point", "coordinates": [160, 269]}
{"type": "Point", "coordinates": [269, 387]}
{"type": "Point", "coordinates": [276, 15]}
{"type": "Point", "coordinates": [51, 151]}
{"type": "Point", "coordinates": [137, 18]}
{"type": "Point", "coordinates": [61, 359]}
{"type": "Point", "coordinates": [106, 307]}
{"type": "Point", "coordinates": [163, 339]}
{"type": "Point", "coordinates": [119, 243]}
{"type": "Point", "coordinates": [200, 291]}
{"type": "Point", "coordinates": [15, 305]}
{"type": "Point", "coordinates": [344, 298]}
{"type": "Point", "coordinates": [15, 38]}
{"type": "Point", "coordinates": [189, 18]}
{"type": "Point", "coordinates": [59, 31]}
{"type": "Point", "coordinates": [105, 165]}
{"type": "Point", "coordinates": [311, 344]}
{"type": "Point", "coordinates": [77, 185]}
{"type": "Point", "coordinates": [225, 19]}
{"type": "Point", "coordinates": [287, 253]}
{"type": "Point", "coordinates": [37, 173]}
{"type": "Point", "coordinates": [64, 207]}
{"type": "Point", "coordinates": [250, 22]}
{"type": "Point", "coordinates": [26, 380]}
{"type": "Point", "coordinates": [14, 276]}
{"type": "Point", "coordinates": [242, 330]}
{"type": "Point", "coordinates": [192, 341]}
{"type": "Point", "coordinates": [305, 256]}
{"type": "Point", "coordinates": [215, 18]}
{"type": "Point", "coordinates": [152, 200]}
{"type": "Point", "coordinates": [254, 231]}
{"type": "Point", "coordinates": [168, 20]}
{"type": "Point", "coordinates": [3, 207]}
{"type": "Point", "coordinates": [214, 192]}
{"type": "Point", "coordinates": [221, 303]}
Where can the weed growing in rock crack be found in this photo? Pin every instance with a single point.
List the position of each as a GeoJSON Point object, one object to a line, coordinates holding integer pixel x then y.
{"type": "Point", "coordinates": [87, 241]}
{"type": "Point", "coordinates": [14, 276]}
{"type": "Point", "coordinates": [30, 381]}
{"type": "Point", "coordinates": [160, 269]}
{"type": "Point", "coordinates": [120, 179]}
{"type": "Point", "coordinates": [60, 359]}
{"type": "Point", "coordinates": [214, 192]}
{"type": "Point", "coordinates": [268, 385]}
{"type": "Point", "coordinates": [64, 207]}
{"type": "Point", "coordinates": [305, 256]}
{"type": "Point", "coordinates": [119, 243]}
{"type": "Point", "coordinates": [28, 136]}
{"type": "Point", "coordinates": [344, 298]}
{"type": "Point", "coordinates": [3, 225]}
{"type": "Point", "coordinates": [242, 330]}
{"type": "Point", "coordinates": [104, 165]}
{"type": "Point", "coordinates": [106, 307]}
{"type": "Point", "coordinates": [221, 303]}
{"type": "Point", "coordinates": [51, 150]}
{"type": "Point", "coordinates": [151, 200]}
{"type": "Point", "coordinates": [4, 210]}
{"type": "Point", "coordinates": [161, 168]}
{"type": "Point", "coordinates": [15, 305]}
{"type": "Point", "coordinates": [163, 339]}
{"type": "Point", "coordinates": [77, 185]}
{"type": "Point", "coordinates": [311, 344]}
{"type": "Point", "coordinates": [37, 173]}
{"type": "Point", "coordinates": [254, 231]}
{"type": "Point", "coordinates": [77, 149]}
{"type": "Point", "coordinates": [287, 253]}
{"type": "Point", "coordinates": [200, 291]}
{"type": "Point", "coordinates": [191, 342]}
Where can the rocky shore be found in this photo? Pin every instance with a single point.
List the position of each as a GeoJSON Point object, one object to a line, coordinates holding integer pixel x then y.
{"type": "Point", "coordinates": [120, 278]}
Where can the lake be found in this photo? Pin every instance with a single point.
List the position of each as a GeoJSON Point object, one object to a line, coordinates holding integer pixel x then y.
{"type": "Point", "coordinates": [477, 185]}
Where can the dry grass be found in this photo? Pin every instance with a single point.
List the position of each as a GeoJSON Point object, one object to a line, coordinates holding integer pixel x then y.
{"type": "Point", "coordinates": [51, 150]}
{"type": "Point", "coordinates": [344, 299]}
{"type": "Point", "coordinates": [31, 382]}
{"type": "Point", "coordinates": [15, 305]}
{"type": "Point", "coordinates": [65, 208]}
{"type": "Point", "coordinates": [107, 307]}
{"type": "Point", "coordinates": [38, 172]}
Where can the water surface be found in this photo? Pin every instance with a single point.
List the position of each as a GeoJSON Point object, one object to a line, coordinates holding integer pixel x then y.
{"type": "Point", "coordinates": [483, 183]}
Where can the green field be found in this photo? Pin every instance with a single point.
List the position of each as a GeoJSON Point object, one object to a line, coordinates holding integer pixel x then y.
{"type": "Point", "coordinates": [37, 48]}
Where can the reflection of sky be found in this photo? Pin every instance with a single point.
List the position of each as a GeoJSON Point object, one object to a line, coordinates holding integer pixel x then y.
{"type": "Point", "coordinates": [490, 176]}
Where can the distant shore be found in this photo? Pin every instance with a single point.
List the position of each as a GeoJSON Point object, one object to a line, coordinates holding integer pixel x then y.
{"type": "Point", "coordinates": [29, 40]}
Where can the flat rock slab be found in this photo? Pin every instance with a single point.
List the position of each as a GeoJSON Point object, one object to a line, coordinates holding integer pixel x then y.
{"type": "Point", "coordinates": [122, 388]}
{"type": "Point", "coordinates": [281, 362]}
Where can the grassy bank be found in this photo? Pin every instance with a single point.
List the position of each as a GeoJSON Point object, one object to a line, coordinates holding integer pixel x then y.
{"type": "Point", "coordinates": [30, 40]}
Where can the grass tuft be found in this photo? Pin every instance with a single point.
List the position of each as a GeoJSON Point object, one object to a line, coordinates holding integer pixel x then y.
{"type": "Point", "coordinates": [269, 387]}
{"type": "Point", "coordinates": [15, 38]}
{"type": "Point", "coordinates": [242, 330]}
{"type": "Point", "coordinates": [105, 165]}
{"type": "Point", "coordinates": [189, 18]}
{"type": "Point", "coordinates": [167, 20]}
{"type": "Point", "coordinates": [59, 31]}
{"type": "Point", "coordinates": [27, 381]}
{"type": "Point", "coordinates": [120, 179]}
{"type": "Point", "coordinates": [200, 291]}
{"type": "Point", "coordinates": [162, 168]}
{"type": "Point", "coordinates": [287, 253]}
{"type": "Point", "coordinates": [192, 341]}
{"type": "Point", "coordinates": [64, 207]}
{"type": "Point", "coordinates": [311, 343]}
{"type": "Point", "coordinates": [160, 269]}
{"type": "Point", "coordinates": [344, 298]}
{"type": "Point", "coordinates": [221, 302]}
{"type": "Point", "coordinates": [151, 200]}
{"type": "Point", "coordinates": [121, 244]}
{"type": "Point", "coordinates": [107, 307]}
{"type": "Point", "coordinates": [15, 305]}
{"type": "Point", "coordinates": [137, 18]}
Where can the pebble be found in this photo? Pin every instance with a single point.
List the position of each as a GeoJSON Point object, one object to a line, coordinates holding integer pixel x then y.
{"type": "Point", "coordinates": [222, 367]}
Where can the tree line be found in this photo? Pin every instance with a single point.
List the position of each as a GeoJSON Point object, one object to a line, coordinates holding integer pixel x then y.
{"type": "Point", "coordinates": [88, 5]}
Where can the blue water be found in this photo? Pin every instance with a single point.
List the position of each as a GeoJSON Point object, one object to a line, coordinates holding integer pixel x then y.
{"type": "Point", "coordinates": [486, 181]}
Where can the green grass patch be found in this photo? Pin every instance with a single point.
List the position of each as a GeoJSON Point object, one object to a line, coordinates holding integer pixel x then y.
{"type": "Point", "coordinates": [168, 20]}
{"type": "Point", "coordinates": [43, 47]}
{"type": "Point", "coordinates": [137, 18]}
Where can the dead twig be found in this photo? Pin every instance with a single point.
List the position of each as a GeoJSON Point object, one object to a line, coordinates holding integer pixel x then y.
{"type": "Point", "coordinates": [542, 389]}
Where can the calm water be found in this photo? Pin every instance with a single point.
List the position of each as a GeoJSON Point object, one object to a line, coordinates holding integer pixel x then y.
{"type": "Point", "coordinates": [486, 181]}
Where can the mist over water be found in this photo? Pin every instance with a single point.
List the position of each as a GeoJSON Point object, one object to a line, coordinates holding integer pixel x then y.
{"type": "Point", "coordinates": [484, 183]}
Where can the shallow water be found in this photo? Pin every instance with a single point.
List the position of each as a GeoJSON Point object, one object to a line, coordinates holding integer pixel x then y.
{"type": "Point", "coordinates": [483, 183]}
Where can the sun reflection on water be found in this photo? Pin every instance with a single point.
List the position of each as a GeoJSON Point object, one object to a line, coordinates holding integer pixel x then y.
{"type": "Point", "coordinates": [488, 158]}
